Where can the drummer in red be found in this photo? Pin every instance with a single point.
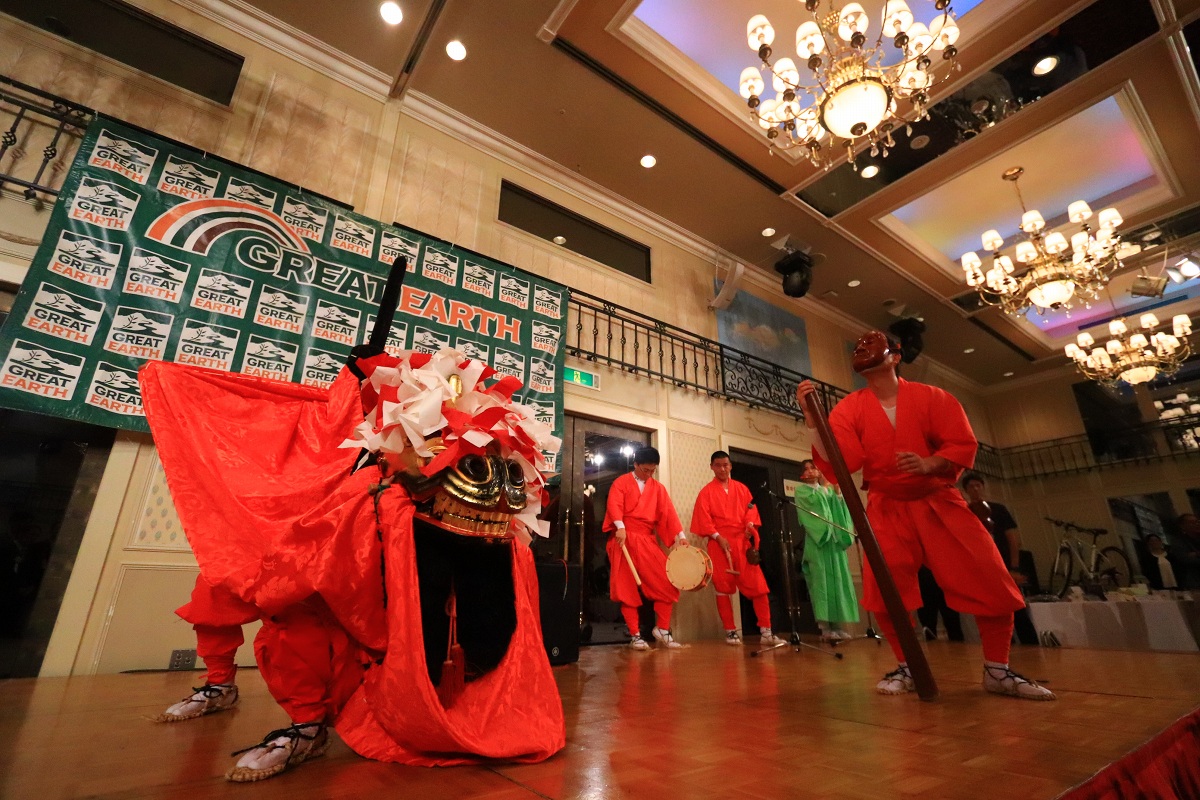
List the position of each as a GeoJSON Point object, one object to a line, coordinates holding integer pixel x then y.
{"type": "Point", "coordinates": [911, 441]}
{"type": "Point", "coordinates": [639, 507]}
{"type": "Point", "coordinates": [726, 516]}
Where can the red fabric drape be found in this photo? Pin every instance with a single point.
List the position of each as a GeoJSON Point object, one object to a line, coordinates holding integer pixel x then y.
{"type": "Point", "coordinates": [1165, 768]}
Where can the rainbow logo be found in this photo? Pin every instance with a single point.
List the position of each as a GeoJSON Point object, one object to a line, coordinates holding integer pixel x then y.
{"type": "Point", "coordinates": [196, 225]}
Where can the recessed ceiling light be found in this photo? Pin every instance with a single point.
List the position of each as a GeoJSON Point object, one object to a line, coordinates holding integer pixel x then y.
{"type": "Point", "coordinates": [391, 13]}
{"type": "Point", "coordinates": [919, 142]}
{"type": "Point", "coordinates": [1045, 66]}
{"type": "Point", "coordinates": [869, 171]}
{"type": "Point", "coordinates": [854, 283]}
{"type": "Point", "coordinates": [559, 240]}
{"type": "Point", "coordinates": [649, 161]}
{"type": "Point", "coordinates": [969, 350]}
{"type": "Point", "coordinates": [1008, 374]}
{"type": "Point", "coordinates": [768, 231]}
{"type": "Point", "coordinates": [456, 50]}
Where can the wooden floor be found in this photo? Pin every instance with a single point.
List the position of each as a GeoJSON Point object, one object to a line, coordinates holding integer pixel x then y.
{"type": "Point", "coordinates": [706, 721]}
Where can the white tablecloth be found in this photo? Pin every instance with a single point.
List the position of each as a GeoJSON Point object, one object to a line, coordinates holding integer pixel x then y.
{"type": "Point", "coordinates": [1142, 625]}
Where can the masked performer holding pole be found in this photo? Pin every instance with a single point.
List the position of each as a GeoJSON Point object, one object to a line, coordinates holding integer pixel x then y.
{"type": "Point", "coordinates": [911, 441]}
{"type": "Point", "coordinates": [726, 516]}
{"type": "Point", "coordinates": [379, 528]}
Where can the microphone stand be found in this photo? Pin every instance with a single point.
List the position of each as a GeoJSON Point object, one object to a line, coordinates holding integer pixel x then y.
{"type": "Point", "coordinates": [788, 564]}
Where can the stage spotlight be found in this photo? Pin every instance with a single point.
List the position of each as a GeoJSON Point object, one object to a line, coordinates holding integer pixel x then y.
{"type": "Point", "coordinates": [909, 331]}
{"type": "Point", "coordinates": [796, 269]}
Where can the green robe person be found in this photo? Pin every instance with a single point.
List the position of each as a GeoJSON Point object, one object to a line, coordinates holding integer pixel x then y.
{"type": "Point", "coordinates": [826, 566]}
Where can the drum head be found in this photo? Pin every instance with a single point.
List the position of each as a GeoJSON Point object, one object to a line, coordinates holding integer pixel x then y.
{"type": "Point", "coordinates": [688, 568]}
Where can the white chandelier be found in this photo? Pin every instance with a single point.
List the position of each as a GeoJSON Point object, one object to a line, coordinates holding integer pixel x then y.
{"type": "Point", "coordinates": [1054, 272]}
{"type": "Point", "coordinates": [854, 95]}
{"type": "Point", "coordinates": [1134, 356]}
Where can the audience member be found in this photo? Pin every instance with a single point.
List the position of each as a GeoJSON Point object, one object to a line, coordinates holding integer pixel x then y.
{"type": "Point", "coordinates": [1185, 552]}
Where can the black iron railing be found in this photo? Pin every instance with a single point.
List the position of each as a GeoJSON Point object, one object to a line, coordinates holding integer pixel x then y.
{"type": "Point", "coordinates": [607, 333]}
{"type": "Point", "coordinates": [41, 124]}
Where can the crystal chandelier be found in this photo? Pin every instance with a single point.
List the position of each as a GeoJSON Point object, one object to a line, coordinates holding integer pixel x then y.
{"type": "Point", "coordinates": [1054, 272]}
{"type": "Point", "coordinates": [1134, 356]}
{"type": "Point", "coordinates": [855, 95]}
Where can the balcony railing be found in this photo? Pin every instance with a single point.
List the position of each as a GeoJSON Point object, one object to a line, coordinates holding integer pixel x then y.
{"type": "Point", "coordinates": [41, 133]}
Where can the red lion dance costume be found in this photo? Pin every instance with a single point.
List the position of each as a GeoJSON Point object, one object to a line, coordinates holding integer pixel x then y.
{"type": "Point", "coordinates": [399, 600]}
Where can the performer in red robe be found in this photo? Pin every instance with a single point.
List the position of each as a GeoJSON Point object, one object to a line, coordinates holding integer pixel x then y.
{"type": "Point", "coordinates": [350, 573]}
{"type": "Point", "coordinates": [639, 507]}
{"type": "Point", "coordinates": [911, 441]}
{"type": "Point", "coordinates": [726, 516]}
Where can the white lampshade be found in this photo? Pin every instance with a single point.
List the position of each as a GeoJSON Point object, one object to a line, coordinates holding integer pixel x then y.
{"type": "Point", "coordinates": [863, 102]}
{"type": "Point", "coordinates": [1148, 321]}
{"type": "Point", "coordinates": [898, 18]}
{"type": "Point", "coordinates": [1104, 237]}
{"type": "Point", "coordinates": [1051, 293]}
{"type": "Point", "coordinates": [807, 125]}
{"type": "Point", "coordinates": [1079, 211]}
{"type": "Point", "coordinates": [919, 39]}
{"type": "Point", "coordinates": [944, 31]}
{"type": "Point", "coordinates": [974, 277]}
{"type": "Point", "coordinates": [751, 82]}
{"type": "Point", "coordinates": [1114, 347]}
{"type": "Point", "coordinates": [1032, 222]}
{"type": "Point", "coordinates": [970, 261]}
{"type": "Point", "coordinates": [912, 80]}
{"type": "Point", "coordinates": [1006, 264]}
{"type": "Point", "coordinates": [766, 113]}
{"type": "Point", "coordinates": [1080, 242]}
{"type": "Point", "coordinates": [1110, 218]}
{"type": "Point", "coordinates": [785, 75]}
{"type": "Point", "coordinates": [1117, 327]}
{"type": "Point", "coordinates": [1188, 268]}
{"type": "Point", "coordinates": [1101, 357]}
{"type": "Point", "coordinates": [1055, 243]}
{"type": "Point", "coordinates": [1026, 252]}
{"type": "Point", "coordinates": [1138, 341]}
{"type": "Point", "coordinates": [1085, 339]}
{"type": "Point", "coordinates": [1072, 350]}
{"type": "Point", "coordinates": [759, 32]}
{"type": "Point", "coordinates": [852, 20]}
{"type": "Point", "coordinates": [992, 240]}
{"type": "Point", "coordinates": [809, 41]}
{"type": "Point", "coordinates": [1181, 324]}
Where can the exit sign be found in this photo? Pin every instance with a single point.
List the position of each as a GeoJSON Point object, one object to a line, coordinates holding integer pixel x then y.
{"type": "Point", "coordinates": [581, 377]}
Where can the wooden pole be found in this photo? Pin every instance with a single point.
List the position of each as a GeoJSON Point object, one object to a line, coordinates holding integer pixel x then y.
{"type": "Point", "coordinates": [918, 665]}
{"type": "Point", "coordinates": [632, 568]}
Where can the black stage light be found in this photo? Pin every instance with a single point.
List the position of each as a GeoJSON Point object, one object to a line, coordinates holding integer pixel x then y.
{"type": "Point", "coordinates": [796, 268]}
{"type": "Point", "coordinates": [909, 331]}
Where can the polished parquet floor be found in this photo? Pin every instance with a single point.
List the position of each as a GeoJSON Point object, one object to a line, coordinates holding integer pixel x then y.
{"type": "Point", "coordinates": [706, 721]}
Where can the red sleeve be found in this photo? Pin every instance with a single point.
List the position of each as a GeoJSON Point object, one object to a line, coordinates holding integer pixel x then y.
{"type": "Point", "coordinates": [702, 522]}
{"type": "Point", "coordinates": [668, 518]}
{"type": "Point", "coordinates": [842, 423]}
{"type": "Point", "coordinates": [615, 509]}
{"type": "Point", "coordinates": [751, 510]}
{"type": "Point", "coordinates": [951, 436]}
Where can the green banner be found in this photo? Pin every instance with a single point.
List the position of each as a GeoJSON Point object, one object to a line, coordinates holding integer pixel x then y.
{"type": "Point", "coordinates": [155, 251]}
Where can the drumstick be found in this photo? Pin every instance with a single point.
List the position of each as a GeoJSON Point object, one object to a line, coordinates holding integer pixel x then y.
{"type": "Point", "coordinates": [918, 665]}
{"type": "Point", "coordinates": [632, 568]}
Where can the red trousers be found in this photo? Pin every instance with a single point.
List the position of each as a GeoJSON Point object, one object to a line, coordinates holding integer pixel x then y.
{"type": "Point", "coordinates": [745, 578]}
{"type": "Point", "coordinates": [217, 617]}
{"type": "Point", "coordinates": [651, 565]}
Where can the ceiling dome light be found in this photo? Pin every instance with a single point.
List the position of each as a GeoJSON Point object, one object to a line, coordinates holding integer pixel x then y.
{"type": "Point", "coordinates": [854, 283]}
{"type": "Point", "coordinates": [870, 171]}
{"type": "Point", "coordinates": [456, 50]}
{"type": "Point", "coordinates": [768, 231]}
{"type": "Point", "coordinates": [649, 161]}
{"type": "Point", "coordinates": [559, 240]}
{"type": "Point", "coordinates": [1045, 66]}
{"type": "Point", "coordinates": [391, 13]}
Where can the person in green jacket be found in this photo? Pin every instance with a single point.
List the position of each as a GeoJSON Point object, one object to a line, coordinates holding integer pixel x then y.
{"type": "Point", "coordinates": [826, 567]}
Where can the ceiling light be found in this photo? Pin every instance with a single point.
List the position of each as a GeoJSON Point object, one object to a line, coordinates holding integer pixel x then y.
{"type": "Point", "coordinates": [1053, 272]}
{"type": "Point", "coordinates": [1133, 356]}
{"type": "Point", "coordinates": [768, 231]}
{"type": "Point", "coordinates": [391, 13]}
{"type": "Point", "coordinates": [456, 50]}
{"type": "Point", "coordinates": [1008, 374]}
{"type": "Point", "coordinates": [598, 460]}
{"type": "Point", "coordinates": [846, 92]}
{"type": "Point", "coordinates": [649, 161]}
{"type": "Point", "coordinates": [1188, 268]}
{"type": "Point", "coordinates": [559, 240]}
{"type": "Point", "coordinates": [1045, 66]}
{"type": "Point", "coordinates": [870, 171]}
{"type": "Point", "coordinates": [854, 283]}
{"type": "Point", "coordinates": [919, 142]}
{"type": "Point", "coordinates": [969, 350]}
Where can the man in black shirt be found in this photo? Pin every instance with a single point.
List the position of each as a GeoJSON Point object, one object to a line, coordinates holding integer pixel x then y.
{"type": "Point", "coordinates": [1003, 528]}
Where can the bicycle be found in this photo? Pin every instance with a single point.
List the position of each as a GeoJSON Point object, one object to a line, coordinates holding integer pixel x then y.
{"type": "Point", "coordinates": [1097, 570]}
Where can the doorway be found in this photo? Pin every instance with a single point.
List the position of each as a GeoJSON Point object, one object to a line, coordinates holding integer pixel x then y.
{"type": "Point", "coordinates": [782, 542]}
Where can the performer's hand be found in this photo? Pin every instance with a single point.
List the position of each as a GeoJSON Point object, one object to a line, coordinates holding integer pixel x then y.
{"type": "Point", "coordinates": [620, 534]}
{"type": "Point", "coordinates": [913, 463]}
{"type": "Point", "coordinates": [721, 540]}
{"type": "Point", "coordinates": [805, 389]}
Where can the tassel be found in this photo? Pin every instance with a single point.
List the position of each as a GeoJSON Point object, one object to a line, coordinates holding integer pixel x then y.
{"type": "Point", "coordinates": [454, 668]}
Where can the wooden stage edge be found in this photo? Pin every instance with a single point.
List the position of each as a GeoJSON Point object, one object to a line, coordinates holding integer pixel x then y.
{"type": "Point", "coordinates": [705, 721]}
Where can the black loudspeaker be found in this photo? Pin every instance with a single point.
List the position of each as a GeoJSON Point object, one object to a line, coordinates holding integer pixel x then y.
{"type": "Point", "coordinates": [558, 591]}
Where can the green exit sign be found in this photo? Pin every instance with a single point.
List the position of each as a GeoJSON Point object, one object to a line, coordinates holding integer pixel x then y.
{"type": "Point", "coordinates": [581, 377]}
